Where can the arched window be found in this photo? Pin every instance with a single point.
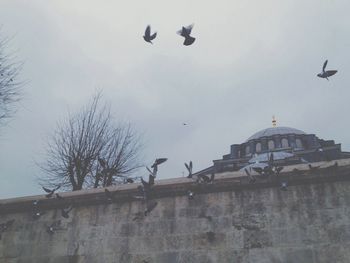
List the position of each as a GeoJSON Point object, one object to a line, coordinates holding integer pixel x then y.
{"type": "Point", "coordinates": [299, 143]}
{"type": "Point", "coordinates": [285, 143]}
{"type": "Point", "coordinates": [258, 147]}
{"type": "Point", "coordinates": [247, 150]}
{"type": "Point", "coordinates": [271, 145]}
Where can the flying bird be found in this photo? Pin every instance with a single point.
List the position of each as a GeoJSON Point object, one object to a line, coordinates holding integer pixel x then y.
{"type": "Point", "coordinates": [326, 73]}
{"type": "Point", "coordinates": [50, 192]}
{"type": "Point", "coordinates": [148, 37]}
{"type": "Point", "coordinates": [189, 169]}
{"type": "Point", "coordinates": [186, 33]}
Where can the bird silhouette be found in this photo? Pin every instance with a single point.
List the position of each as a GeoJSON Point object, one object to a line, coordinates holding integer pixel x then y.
{"type": "Point", "coordinates": [190, 195]}
{"type": "Point", "coordinates": [325, 74]}
{"type": "Point", "coordinates": [148, 37]}
{"type": "Point", "coordinates": [189, 169]}
{"type": "Point", "coordinates": [50, 192]}
{"type": "Point", "coordinates": [186, 33]}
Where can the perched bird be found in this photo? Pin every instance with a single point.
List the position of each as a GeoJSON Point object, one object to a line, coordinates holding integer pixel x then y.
{"type": "Point", "coordinates": [325, 74]}
{"type": "Point", "coordinates": [148, 37]}
{"type": "Point", "coordinates": [186, 33]}
{"type": "Point", "coordinates": [65, 212]}
{"type": "Point", "coordinates": [50, 192]}
{"type": "Point", "coordinates": [277, 169]}
{"type": "Point", "coordinates": [35, 202]}
{"type": "Point", "coordinates": [190, 194]}
{"type": "Point", "coordinates": [150, 206]}
{"type": "Point", "coordinates": [252, 179]}
{"type": "Point", "coordinates": [129, 180]}
{"type": "Point", "coordinates": [207, 179]}
{"type": "Point", "coordinates": [189, 169]}
{"type": "Point", "coordinates": [284, 186]}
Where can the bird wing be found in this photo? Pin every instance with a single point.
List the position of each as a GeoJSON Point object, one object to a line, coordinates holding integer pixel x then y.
{"type": "Point", "coordinates": [189, 29]}
{"type": "Point", "coordinates": [189, 40]}
{"type": "Point", "coordinates": [191, 165]}
{"type": "Point", "coordinates": [187, 167]}
{"type": "Point", "coordinates": [148, 31]}
{"type": "Point", "coordinates": [324, 65]}
{"type": "Point", "coordinates": [246, 171]}
{"type": "Point", "coordinates": [153, 36]}
{"type": "Point", "coordinates": [331, 72]}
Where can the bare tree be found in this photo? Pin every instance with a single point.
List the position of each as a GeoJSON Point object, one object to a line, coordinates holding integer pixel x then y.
{"type": "Point", "coordinates": [9, 85]}
{"type": "Point", "coordinates": [89, 148]}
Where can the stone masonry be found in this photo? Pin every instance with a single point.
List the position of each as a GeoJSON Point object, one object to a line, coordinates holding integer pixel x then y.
{"type": "Point", "coordinates": [230, 220]}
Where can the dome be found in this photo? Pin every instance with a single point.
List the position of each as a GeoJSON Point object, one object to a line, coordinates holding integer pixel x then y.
{"type": "Point", "coordinates": [274, 131]}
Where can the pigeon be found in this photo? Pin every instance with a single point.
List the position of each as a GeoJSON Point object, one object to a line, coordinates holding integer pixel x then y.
{"type": "Point", "coordinates": [277, 169]}
{"type": "Point", "coordinates": [252, 179]}
{"type": "Point", "coordinates": [129, 180]}
{"type": "Point", "coordinates": [325, 74]}
{"type": "Point", "coordinates": [150, 207]}
{"type": "Point", "coordinates": [65, 212]}
{"type": "Point", "coordinates": [206, 178]}
{"type": "Point", "coordinates": [186, 33]}
{"type": "Point", "coordinates": [148, 37]}
{"type": "Point", "coordinates": [189, 169]}
{"type": "Point", "coordinates": [190, 194]}
{"type": "Point", "coordinates": [50, 192]}
{"type": "Point", "coordinates": [35, 202]}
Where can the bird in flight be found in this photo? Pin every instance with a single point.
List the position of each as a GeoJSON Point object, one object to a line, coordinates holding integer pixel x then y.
{"type": "Point", "coordinates": [186, 33]}
{"type": "Point", "coordinates": [148, 37]}
{"type": "Point", "coordinates": [50, 192]}
{"type": "Point", "coordinates": [326, 73]}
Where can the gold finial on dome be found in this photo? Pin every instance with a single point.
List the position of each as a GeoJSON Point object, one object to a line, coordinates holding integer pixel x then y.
{"type": "Point", "coordinates": [274, 122]}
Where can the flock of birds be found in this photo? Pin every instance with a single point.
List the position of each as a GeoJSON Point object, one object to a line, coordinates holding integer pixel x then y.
{"type": "Point", "coordinates": [185, 32]}
{"type": "Point", "coordinates": [146, 193]}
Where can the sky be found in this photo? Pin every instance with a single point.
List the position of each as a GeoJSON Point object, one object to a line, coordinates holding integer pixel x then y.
{"type": "Point", "coordinates": [251, 60]}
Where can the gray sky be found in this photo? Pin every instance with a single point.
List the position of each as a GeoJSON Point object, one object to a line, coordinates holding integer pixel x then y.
{"type": "Point", "coordinates": [251, 60]}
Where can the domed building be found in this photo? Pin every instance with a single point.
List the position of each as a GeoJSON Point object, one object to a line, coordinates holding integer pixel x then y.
{"type": "Point", "coordinates": [289, 145]}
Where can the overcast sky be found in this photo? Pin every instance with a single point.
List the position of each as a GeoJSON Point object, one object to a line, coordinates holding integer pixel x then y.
{"type": "Point", "coordinates": [251, 60]}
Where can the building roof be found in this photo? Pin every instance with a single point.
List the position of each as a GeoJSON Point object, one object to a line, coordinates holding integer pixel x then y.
{"type": "Point", "coordinates": [274, 131]}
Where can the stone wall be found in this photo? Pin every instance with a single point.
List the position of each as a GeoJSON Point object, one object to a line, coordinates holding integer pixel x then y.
{"type": "Point", "coordinates": [228, 221]}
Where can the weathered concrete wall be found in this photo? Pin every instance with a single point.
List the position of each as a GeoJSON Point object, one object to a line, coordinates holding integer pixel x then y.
{"type": "Point", "coordinates": [310, 222]}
